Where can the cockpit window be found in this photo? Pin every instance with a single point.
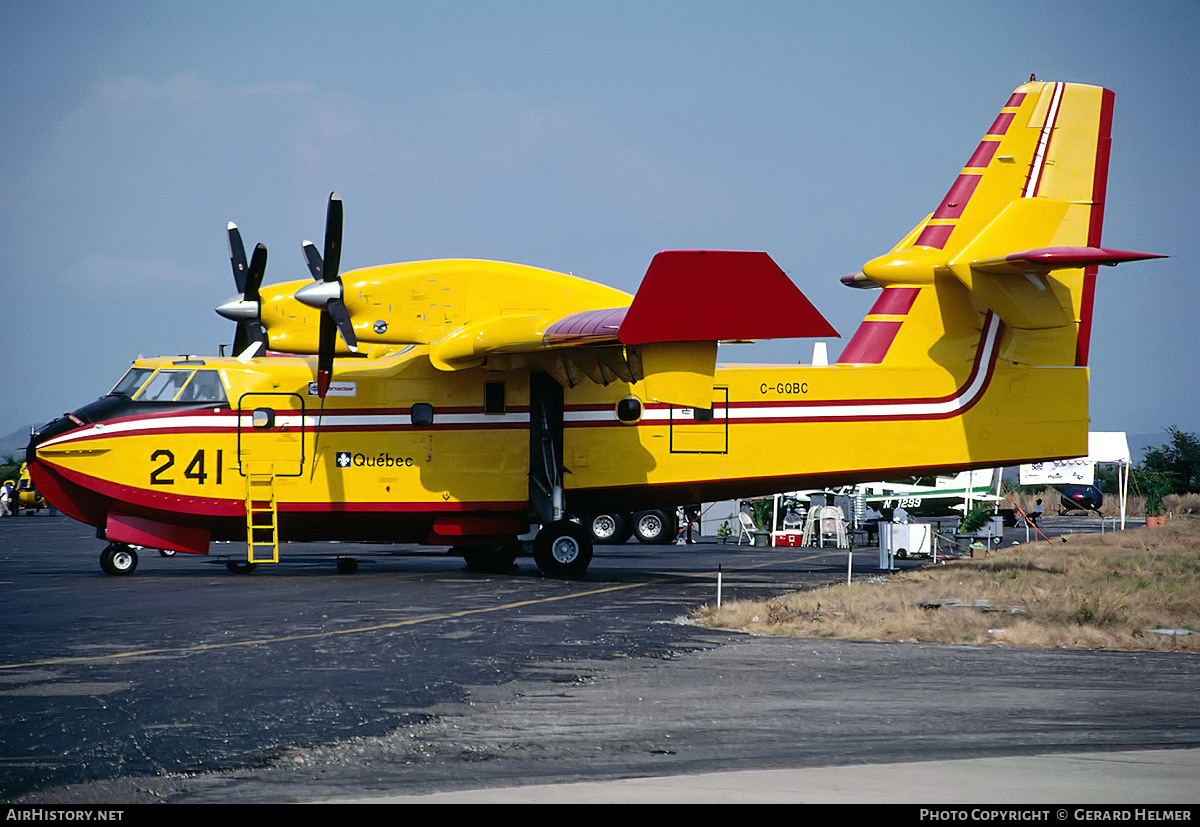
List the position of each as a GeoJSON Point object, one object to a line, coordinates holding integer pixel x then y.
{"type": "Point", "coordinates": [131, 381]}
{"type": "Point", "coordinates": [165, 386]}
{"type": "Point", "coordinates": [171, 385]}
{"type": "Point", "coordinates": [205, 387]}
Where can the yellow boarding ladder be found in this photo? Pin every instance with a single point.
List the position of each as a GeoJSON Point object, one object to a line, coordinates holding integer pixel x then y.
{"type": "Point", "coordinates": [262, 518]}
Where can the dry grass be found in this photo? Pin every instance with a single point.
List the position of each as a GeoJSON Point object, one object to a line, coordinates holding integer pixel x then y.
{"type": "Point", "coordinates": [1101, 591]}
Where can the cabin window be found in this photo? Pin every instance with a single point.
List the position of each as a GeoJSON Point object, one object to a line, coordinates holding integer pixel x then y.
{"type": "Point", "coordinates": [131, 381]}
{"type": "Point", "coordinates": [422, 414]}
{"type": "Point", "coordinates": [629, 409]}
{"type": "Point", "coordinates": [493, 398]}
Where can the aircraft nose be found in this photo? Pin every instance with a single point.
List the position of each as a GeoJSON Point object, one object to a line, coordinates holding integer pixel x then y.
{"type": "Point", "coordinates": [48, 431]}
{"type": "Point", "coordinates": [106, 407]}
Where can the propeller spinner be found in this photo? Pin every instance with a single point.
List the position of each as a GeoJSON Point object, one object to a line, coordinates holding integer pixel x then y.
{"type": "Point", "coordinates": [244, 308]}
{"type": "Point", "coordinates": [325, 293]}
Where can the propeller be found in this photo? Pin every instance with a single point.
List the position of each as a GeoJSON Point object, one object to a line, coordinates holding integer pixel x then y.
{"type": "Point", "coordinates": [325, 293]}
{"type": "Point", "coordinates": [244, 308]}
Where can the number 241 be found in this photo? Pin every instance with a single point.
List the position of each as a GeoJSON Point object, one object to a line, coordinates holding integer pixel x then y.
{"type": "Point", "coordinates": [193, 471]}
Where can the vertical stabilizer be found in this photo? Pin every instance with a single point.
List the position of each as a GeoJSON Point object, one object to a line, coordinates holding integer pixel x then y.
{"type": "Point", "coordinates": [1018, 230]}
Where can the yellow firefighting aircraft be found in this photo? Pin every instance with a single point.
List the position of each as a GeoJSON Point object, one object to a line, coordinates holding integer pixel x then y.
{"type": "Point", "coordinates": [24, 495]}
{"type": "Point", "coordinates": [459, 403]}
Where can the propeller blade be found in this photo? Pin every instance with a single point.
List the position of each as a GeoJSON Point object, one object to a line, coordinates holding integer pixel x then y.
{"type": "Point", "coordinates": [313, 258]}
{"type": "Point", "coordinates": [254, 276]}
{"type": "Point", "coordinates": [326, 294]}
{"type": "Point", "coordinates": [240, 340]}
{"type": "Point", "coordinates": [250, 336]}
{"type": "Point", "coordinates": [250, 340]}
{"type": "Point", "coordinates": [325, 349]}
{"type": "Point", "coordinates": [256, 334]}
{"type": "Point", "coordinates": [341, 318]}
{"type": "Point", "coordinates": [333, 238]}
{"type": "Point", "coordinates": [237, 257]}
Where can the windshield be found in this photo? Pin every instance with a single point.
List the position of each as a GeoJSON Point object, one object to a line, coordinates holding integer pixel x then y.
{"type": "Point", "coordinates": [131, 381]}
{"type": "Point", "coordinates": [169, 385]}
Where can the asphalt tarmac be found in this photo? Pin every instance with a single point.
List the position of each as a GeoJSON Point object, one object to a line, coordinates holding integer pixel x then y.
{"type": "Point", "coordinates": [416, 679]}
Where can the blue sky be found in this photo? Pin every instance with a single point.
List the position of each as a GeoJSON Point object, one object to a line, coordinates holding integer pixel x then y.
{"type": "Point", "coordinates": [580, 137]}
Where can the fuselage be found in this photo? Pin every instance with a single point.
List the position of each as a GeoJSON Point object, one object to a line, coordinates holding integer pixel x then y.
{"type": "Point", "coordinates": [495, 395]}
{"type": "Point", "coordinates": [401, 451]}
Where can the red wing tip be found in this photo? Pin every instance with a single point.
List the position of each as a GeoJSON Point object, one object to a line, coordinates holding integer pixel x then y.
{"type": "Point", "coordinates": [1095, 255]}
{"type": "Point", "coordinates": [859, 281]}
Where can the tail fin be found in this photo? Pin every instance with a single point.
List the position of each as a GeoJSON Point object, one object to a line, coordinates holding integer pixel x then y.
{"type": "Point", "coordinates": [1019, 228]}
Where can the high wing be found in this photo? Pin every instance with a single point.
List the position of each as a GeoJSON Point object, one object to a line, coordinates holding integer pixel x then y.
{"type": "Point", "coordinates": [688, 301]}
{"type": "Point", "coordinates": [471, 314]}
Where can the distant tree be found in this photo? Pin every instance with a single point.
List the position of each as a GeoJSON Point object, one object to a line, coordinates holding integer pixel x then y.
{"type": "Point", "coordinates": [1175, 464]}
{"type": "Point", "coordinates": [10, 467]}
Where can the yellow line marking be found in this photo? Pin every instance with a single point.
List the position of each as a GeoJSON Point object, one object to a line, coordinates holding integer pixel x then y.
{"type": "Point", "coordinates": [397, 624]}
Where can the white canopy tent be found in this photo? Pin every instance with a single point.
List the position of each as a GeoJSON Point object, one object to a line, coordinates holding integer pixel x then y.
{"type": "Point", "coordinates": [1112, 448]}
{"type": "Point", "coordinates": [1104, 447]}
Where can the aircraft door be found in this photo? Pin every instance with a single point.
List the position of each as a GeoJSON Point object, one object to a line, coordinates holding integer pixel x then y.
{"type": "Point", "coordinates": [271, 434]}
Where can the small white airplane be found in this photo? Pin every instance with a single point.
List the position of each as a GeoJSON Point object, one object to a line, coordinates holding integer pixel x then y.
{"type": "Point", "coordinates": [934, 496]}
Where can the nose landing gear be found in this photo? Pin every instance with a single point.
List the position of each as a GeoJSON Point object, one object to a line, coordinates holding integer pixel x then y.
{"type": "Point", "coordinates": [118, 558]}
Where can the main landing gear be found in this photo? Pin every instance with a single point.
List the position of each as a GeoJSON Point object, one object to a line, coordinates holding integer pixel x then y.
{"type": "Point", "coordinates": [562, 549]}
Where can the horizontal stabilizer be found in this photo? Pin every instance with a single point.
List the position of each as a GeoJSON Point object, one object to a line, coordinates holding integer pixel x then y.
{"type": "Point", "coordinates": [1045, 259]}
{"type": "Point", "coordinates": [1018, 286]}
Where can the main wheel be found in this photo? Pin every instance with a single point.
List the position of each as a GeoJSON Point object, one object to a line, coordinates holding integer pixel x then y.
{"type": "Point", "coordinates": [239, 567]}
{"type": "Point", "coordinates": [118, 558]}
{"type": "Point", "coordinates": [609, 528]}
{"type": "Point", "coordinates": [652, 527]}
{"type": "Point", "coordinates": [562, 549]}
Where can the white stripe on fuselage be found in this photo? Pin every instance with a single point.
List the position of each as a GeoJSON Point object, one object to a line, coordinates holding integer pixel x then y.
{"type": "Point", "coordinates": [900, 409]}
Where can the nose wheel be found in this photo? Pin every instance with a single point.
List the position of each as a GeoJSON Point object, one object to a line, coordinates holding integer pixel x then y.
{"type": "Point", "coordinates": [118, 558]}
